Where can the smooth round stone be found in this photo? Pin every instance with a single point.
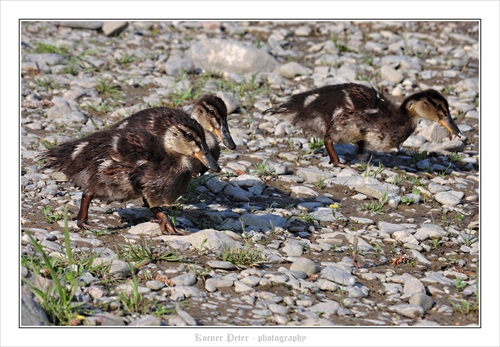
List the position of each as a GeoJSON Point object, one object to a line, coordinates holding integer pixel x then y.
{"type": "Point", "coordinates": [219, 264]}
{"type": "Point", "coordinates": [155, 285]}
{"type": "Point", "coordinates": [451, 198]}
{"type": "Point", "coordinates": [306, 265]}
{"type": "Point", "coordinates": [407, 310]}
{"type": "Point", "coordinates": [212, 284]}
{"type": "Point", "coordinates": [278, 309]}
{"type": "Point", "coordinates": [422, 300]}
{"type": "Point", "coordinates": [293, 249]}
{"type": "Point", "coordinates": [187, 279]}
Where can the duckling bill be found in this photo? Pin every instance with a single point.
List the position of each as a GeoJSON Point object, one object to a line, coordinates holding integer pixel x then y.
{"type": "Point", "coordinates": [357, 114]}
{"type": "Point", "coordinates": [124, 164]}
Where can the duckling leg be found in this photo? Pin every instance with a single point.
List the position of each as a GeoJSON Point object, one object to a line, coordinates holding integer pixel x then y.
{"type": "Point", "coordinates": [81, 218]}
{"type": "Point", "coordinates": [165, 224]}
{"type": "Point", "coordinates": [334, 158]}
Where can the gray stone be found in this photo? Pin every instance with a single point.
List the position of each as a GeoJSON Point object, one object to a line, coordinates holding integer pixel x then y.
{"type": "Point", "coordinates": [218, 264]}
{"type": "Point", "coordinates": [247, 181]}
{"type": "Point", "coordinates": [114, 28]}
{"type": "Point", "coordinates": [227, 55]}
{"type": "Point", "coordinates": [104, 319]}
{"type": "Point", "coordinates": [407, 310]}
{"type": "Point", "coordinates": [187, 291]}
{"type": "Point", "coordinates": [93, 25]}
{"type": "Point", "coordinates": [187, 279]}
{"type": "Point", "coordinates": [213, 240]}
{"type": "Point", "coordinates": [44, 60]}
{"type": "Point", "coordinates": [293, 249]}
{"type": "Point", "coordinates": [325, 214]}
{"type": "Point", "coordinates": [327, 285]}
{"type": "Point", "coordinates": [146, 228]}
{"type": "Point", "coordinates": [361, 220]}
{"type": "Point", "coordinates": [215, 185]}
{"type": "Point", "coordinates": [429, 231]}
{"type": "Point", "coordinates": [390, 74]}
{"type": "Point", "coordinates": [412, 286]}
{"type": "Point", "coordinates": [263, 222]}
{"type": "Point", "coordinates": [301, 190]}
{"type": "Point", "coordinates": [175, 65]}
{"type": "Point", "coordinates": [422, 300]}
{"type": "Point", "coordinates": [328, 307]}
{"type": "Point", "coordinates": [212, 284]}
{"type": "Point", "coordinates": [437, 188]}
{"type": "Point", "coordinates": [117, 268]}
{"type": "Point", "coordinates": [292, 69]}
{"type": "Point", "coordinates": [390, 228]}
{"type": "Point", "coordinates": [238, 193]}
{"type": "Point", "coordinates": [32, 313]}
{"type": "Point", "coordinates": [450, 198]}
{"type": "Point", "coordinates": [312, 175]}
{"type": "Point", "coordinates": [338, 276]}
{"type": "Point", "coordinates": [190, 321]}
{"type": "Point", "coordinates": [251, 281]}
{"type": "Point", "coordinates": [146, 321]}
{"type": "Point", "coordinates": [278, 309]}
{"type": "Point", "coordinates": [306, 265]}
{"type": "Point", "coordinates": [240, 287]}
{"type": "Point", "coordinates": [155, 285]}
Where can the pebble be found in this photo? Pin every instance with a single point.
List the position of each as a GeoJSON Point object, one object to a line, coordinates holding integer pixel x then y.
{"type": "Point", "coordinates": [338, 276]}
{"type": "Point", "coordinates": [188, 279]}
{"type": "Point", "coordinates": [306, 265]}
{"type": "Point", "coordinates": [407, 310]}
{"type": "Point", "coordinates": [216, 264]}
{"type": "Point", "coordinates": [451, 198]}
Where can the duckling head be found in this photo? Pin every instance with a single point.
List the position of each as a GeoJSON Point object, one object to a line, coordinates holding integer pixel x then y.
{"type": "Point", "coordinates": [431, 105]}
{"type": "Point", "coordinates": [188, 139]}
{"type": "Point", "coordinates": [211, 112]}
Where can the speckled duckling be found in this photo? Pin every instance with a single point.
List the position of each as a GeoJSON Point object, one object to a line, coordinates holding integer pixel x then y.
{"type": "Point", "coordinates": [210, 111]}
{"type": "Point", "coordinates": [123, 164]}
{"type": "Point", "coordinates": [358, 114]}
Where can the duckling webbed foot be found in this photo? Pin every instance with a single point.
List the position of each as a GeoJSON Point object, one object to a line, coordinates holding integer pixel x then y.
{"type": "Point", "coordinates": [166, 226]}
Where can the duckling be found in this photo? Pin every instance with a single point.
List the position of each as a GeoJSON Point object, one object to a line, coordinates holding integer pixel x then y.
{"type": "Point", "coordinates": [210, 111]}
{"type": "Point", "coordinates": [355, 113]}
{"type": "Point", "coordinates": [124, 164]}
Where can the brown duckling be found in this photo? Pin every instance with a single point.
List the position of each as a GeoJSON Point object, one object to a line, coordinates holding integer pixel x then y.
{"type": "Point", "coordinates": [123, 164]}
{"type": "Point", "coordinates": [210, 111]}
{"type": "Point", "coordinates": [354, 113]}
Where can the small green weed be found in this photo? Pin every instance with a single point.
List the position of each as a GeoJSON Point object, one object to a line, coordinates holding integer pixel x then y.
{"type": "Point", "coordinates": [106, 87]}
{"type": "Point", "coordinates": [315, 143]}
{"type": "Point", "coordinates": [51, 217]}
{"type": "Point", "coordinates": [144, 252]}
{"type": "Point", "coordinates": [455, 157]}
{"type": "Point", "coordinates": [125, 59]}
{"type": "Point", "coordinates": [374, 206]}
{"type": "Point", "coordinates": [48, 83]}
{"type": "Point", "coordinates": [243, 257]}
{"type": "Point", "coordinates": [460, 284]}
{"type": "Point", "coordinates": [463, 306]}
{"type": "Point", "coordinates": [264, 169]}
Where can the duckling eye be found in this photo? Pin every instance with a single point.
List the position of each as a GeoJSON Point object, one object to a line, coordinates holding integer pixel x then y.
{"type": "Point", "coordinates": [190, 136]}
{"type": "Point", "coordinates": [212, 112]}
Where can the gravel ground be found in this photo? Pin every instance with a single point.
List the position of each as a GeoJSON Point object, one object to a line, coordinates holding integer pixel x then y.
{"type": "Point", "coordinates": [280, 237]}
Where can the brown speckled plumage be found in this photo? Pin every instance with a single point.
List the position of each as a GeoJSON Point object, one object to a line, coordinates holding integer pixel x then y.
{"type": "Point", "coordinates": [210, 111]}
{"type": "Point", "coordinates": [354, 113]}
{"type": "Point", "coordinates": [122, 164]}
